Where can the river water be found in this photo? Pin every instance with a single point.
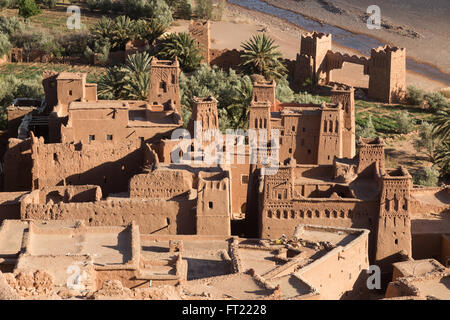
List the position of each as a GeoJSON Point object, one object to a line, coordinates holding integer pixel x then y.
{"type": "Point", "coordinates": [361, 43]}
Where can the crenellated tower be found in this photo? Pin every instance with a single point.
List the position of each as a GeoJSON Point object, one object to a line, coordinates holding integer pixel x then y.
{"type": "Point", "coordinates": [164, 86]}
{"type": "Point", "coordinates": [387, 69]}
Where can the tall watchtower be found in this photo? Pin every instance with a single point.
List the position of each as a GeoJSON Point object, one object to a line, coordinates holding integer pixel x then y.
{"type": "Point", "coordinates": [346, 97]}
{"type": "Point", "coordinates": [311, 62]}
{"type": "Point", "coordinates": [204, 111]}
{"type": "Point", "coordinates": [164, 86]}
{"type": "Point", "coordinates": [387, 69]}
{"type": "Point", "coordinates": [200, 30]}
{"type": "Point", "coordinates": [264, 90]}
{"type": "Point", "coordinates": [394, 222]}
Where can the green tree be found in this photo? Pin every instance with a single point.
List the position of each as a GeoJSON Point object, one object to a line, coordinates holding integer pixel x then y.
{"type": "Point", "coordinates": [427, 140]}
{"type": "Point", "coordinates": [150, 30]}
{"type": "Point", "coordinates": [404, 122]}
{"type": "Point", "coordinates": [204, 9]}
{"type": "Point", "coordinates": [110, 84]}
{"type": "Point", "coordinates": [443, 159]}
{"type": "Point", "coordinates": [182, 46]}
{"type": "Point", "coordinates": [5, 45]}
{"type": "Point", "coordinates": [122, 32]}
{"type": "Point", "coordinates": [137, 79]}
{"type": "Point", "coordinates": [28, 8]}
{"type": "Point", "coordinates": [441, 123]}
{"type": "Point", "coordinates": [368, 130]}
{"type": "Point", "coordinates": [427, 176]}
{"type": "Point", "coordinates": [261, 56]}
{"type": "Point", "coordinates": [436, 101]}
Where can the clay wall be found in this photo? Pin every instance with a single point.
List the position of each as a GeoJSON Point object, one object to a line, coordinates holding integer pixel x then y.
{"type": "Point", "coordinates": [213, 205]}
{"type": "Point", "coordinates": [340, 273]}
{"type": "Point", "coordinates": [152, 215]}
{"type": "Point", "coordinates": [18, 162]}
{"type": "Point", "coordinates": [109, 166]}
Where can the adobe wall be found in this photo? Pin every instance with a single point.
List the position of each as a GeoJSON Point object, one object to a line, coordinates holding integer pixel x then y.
{"type": "Point", "coordinates": [18, 161]}
{"type": "Point", "coordinates": [341, 272]}
{"type": "Point", "coordinates": [213, 205]}
{"type": "Point", "coordinates": [10, 205]}
{"type": "Point", "coordinates": [109, 166]}
{"type": "Point", "coordinates": [161, 184]}
{"type": "Point", "coordinates": [225, 59]}
{"type": "Point", "coordinates": [152, 215]}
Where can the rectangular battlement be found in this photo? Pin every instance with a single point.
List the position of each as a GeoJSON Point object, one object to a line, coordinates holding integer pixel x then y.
{"type": "Point", "coordinates": [165, 63]}
{"type": "Point", "coordinates": [316, 35]}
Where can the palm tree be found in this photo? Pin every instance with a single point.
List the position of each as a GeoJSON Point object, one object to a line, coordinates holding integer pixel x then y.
{"type": "Point", "coordinates": [261, 56]}
{"type": "Point", "coordinates": [103, 28]}
{"type": "Point", "coordinates": [238, 112]}
{"type": "Point", "coordinates": [137, 79]}
{"type": "Point", "coordinates": [123, 31]}
{"type": "Point", "coordinates": [441, 122]}
{"type": "Point", "coordinates": [182, 46]}
{"type": "Point", "coordinates": [442, 159]}
{"type": "Point", "coordinates": [150, 30]}
{"type": "Point", "coordinates": [110, 84]}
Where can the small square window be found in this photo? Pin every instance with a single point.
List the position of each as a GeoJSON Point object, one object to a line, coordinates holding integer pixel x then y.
{"type": "Point", "coordinates": [290, 150]}
{"type": "Point", "coordinates": [210, 205]}
{"type": "Point", "coordinates": [293, 128]}
{"type": "Point", "coordinates": [91, 137]}
{"type": "Point", "coordinates": [244, 179]}
{"type": "Point", "coordinates": [109, 137]}
{"type": "Point", "coordinates": [304, 129]}
{"type": "Point", "coordinates": [70, 92]}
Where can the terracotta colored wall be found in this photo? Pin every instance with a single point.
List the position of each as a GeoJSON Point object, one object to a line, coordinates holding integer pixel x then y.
{"type": "Point", "coordinates": [340, 270]}
{"type": "Point", "coordinates": [152, 215]}
{"type": "Point", "coordinates": [18, 162]}
{"type": "Point", "coordinates": [109, 166]}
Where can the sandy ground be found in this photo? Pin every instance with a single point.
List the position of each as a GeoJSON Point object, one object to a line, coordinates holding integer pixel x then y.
{"type": "Point", "coordinates": [239, 24]}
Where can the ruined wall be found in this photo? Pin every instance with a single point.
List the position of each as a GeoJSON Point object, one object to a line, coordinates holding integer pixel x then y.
{"type": "Point", "coordinates": [109, 166]}
{"type": "Point", "coordinates": [10, 205]}
{"type": "Point", "coordinates": [341, 272]}
{"type": "Point", "coordinates": [161, 184]}
{"type": "Point", "coordinates": [152, 215]}
{"type": "Point", "coordinates": [225, 59]}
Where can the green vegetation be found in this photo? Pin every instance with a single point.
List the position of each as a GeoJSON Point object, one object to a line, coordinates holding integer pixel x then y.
{"type": "Point", "coordinates": [261, 57]}
{"type": "Point", "coordinates": [427, 176]}
{"type": "Point", "coordinates": [404, 122]}
{"type": "Point", "coordinates": [182, 46]}
{"type": "Point", "coordinates": [28, 8]}
{"type": "Point", "coordinates": [128, 81]}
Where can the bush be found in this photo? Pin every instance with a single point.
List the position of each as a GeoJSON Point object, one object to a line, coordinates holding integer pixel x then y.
{"type": "Point", "coordinates": [182, 46]}
{"type": "Point", "coordinates": [204, 9]}
{"type": "Point", "coordinates": [105, 6]}
{"type": "Point", "coordinates": [435, 101]}
{"type": "Point", "coordinates": [366, 130]}
{"type": "Point", "coordinates": [93, 4]}
{"type": "Point", "coordinates": [11, 88]}
{"type": "Point", "coordinates": [154, 9]}
{"type": "Point", "coordinates": [4, 4]}
{"type": "Point", "coordinates": [427, 176]}
{"type": "Point", "coordinates": [28, 8]}
{"type": "Point", "coordinates": [304, 97]}
{"type": "Point", "coordinates": [404, 122]}
{"type": "Point", "coordinates": [5, 45]}
{"type": "Point", "coordinates": [11, 26]}
{"type": "Point", "coordinates": [49, 3]}
{"type": "Point", "coordinates": [427, 140]}
{"type": "Point", "coordinates": [283, 92]}
{"type": "Point", "coordinates": [414, 95]}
